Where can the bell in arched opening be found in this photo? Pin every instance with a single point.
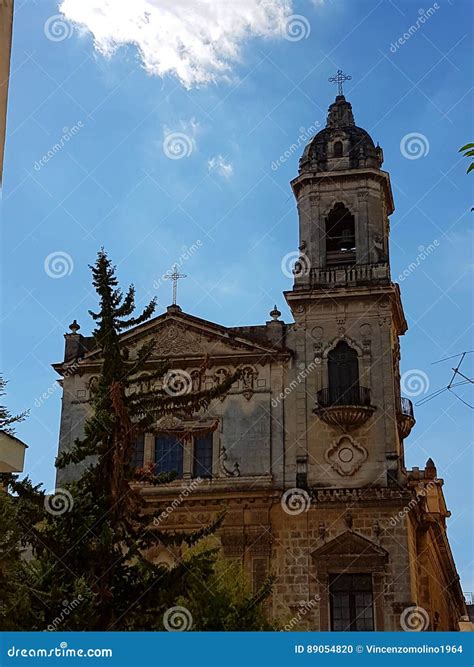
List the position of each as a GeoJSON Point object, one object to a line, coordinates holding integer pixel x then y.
{"type": "Point", "coordinates": [340, 236]}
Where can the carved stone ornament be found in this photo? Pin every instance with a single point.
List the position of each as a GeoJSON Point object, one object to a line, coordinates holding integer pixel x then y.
{"type": "Point", "coordinates": [176, 340]}
{"type": "Point", "coordinates": [317, 334]}
{"type": "Point", "coordinates": [226, 472]}
{"type": "Point", "coordinates": [249, 376]}
{"type": "Point", "coordinates": [346, 455]}
{"type": "Point", "coordinates": [169, 423]}
{"type": "Point", "coordinates": [366, 333]}
{"type": "Point", "coordinates": [345, 416]}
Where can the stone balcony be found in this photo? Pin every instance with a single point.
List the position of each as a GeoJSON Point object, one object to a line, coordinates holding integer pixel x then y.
{"type": "Point", "coordinates": [350, 275]}
{"type": "Point", "coordinates": [344, 407]}
{"type": "Point", "coordinates": [405, 417]}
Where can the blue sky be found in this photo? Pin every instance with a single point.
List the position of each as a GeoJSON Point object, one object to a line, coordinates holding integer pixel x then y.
{"type": "Point", "coordinates": [113, 183]}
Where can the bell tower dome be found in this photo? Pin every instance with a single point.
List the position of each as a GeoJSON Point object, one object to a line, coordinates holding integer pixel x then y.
{"type": "Point", "coordinates": [344, 199]}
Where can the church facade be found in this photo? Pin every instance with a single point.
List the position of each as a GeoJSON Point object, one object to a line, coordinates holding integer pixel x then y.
{"type": "Point", "coordinates": [306, 451]}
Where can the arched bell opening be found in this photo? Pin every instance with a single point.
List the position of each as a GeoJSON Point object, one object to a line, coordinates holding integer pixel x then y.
{"type": "Point", "coordinates": [340, 236]}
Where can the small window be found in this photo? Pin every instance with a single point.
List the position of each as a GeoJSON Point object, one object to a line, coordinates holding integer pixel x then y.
{"type": "Point", "coordinates": [338, 149]}
{"type": "Point", "coordinates": [138, 453]}
{"type": "Point", "coordinates": [351, 602]}
{"type": "Point", "coordinates": [202, 465]}
{"type": "Point", "coordinates": [169, 455]}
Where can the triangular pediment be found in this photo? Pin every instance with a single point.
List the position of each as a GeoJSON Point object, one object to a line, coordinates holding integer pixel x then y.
{"type": "Point", "coordinates": [179, 335]}
{"type": "Point", "coordinates": [350, 544]}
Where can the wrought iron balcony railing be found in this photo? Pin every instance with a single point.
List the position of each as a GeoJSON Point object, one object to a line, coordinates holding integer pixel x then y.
{"type": "Point", "coordinates": [405, 417]}
{"type": "Point", "coordinates": [331, 396]}
{"type": "Point", "coordinates": [343, 406]}
{"type": "Point", "coordinates": [406, 407]}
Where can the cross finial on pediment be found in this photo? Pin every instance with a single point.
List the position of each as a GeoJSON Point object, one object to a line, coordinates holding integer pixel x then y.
{"type": "Point", "coordinates": [175, 276]}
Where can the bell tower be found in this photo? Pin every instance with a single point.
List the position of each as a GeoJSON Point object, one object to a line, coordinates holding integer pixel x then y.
{"type": "Point", "coordinates": [351, 420]}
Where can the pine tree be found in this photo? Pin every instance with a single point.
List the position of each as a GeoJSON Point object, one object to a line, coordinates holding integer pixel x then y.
{"type": "Point", "coordinates": [13, 591]}
{"type": "Point", "coordinates": [95, 552]}
{"type": "Point", "coordinates": [6, 418]}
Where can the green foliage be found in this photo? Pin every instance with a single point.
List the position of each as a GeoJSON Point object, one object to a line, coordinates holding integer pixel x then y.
{"type": "Point", "coordinates": [90, 540]}
{"type": "Point", "coordinates": [468, 151]}
{"type": "Point", "coordinates": [14, 591]}
{"type": "Point", "coordinates": [225, 602]}
{"type": "Point", "coordinates": [6, 418]}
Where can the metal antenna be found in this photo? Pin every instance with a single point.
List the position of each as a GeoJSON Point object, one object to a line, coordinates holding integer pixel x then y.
{"type": "Point", "coordinates": [452, 383]}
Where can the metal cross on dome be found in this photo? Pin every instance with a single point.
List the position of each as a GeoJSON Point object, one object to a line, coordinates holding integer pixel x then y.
{"type": "Point", "coordinates": [339, 78]}
{"type": "Point", "coordinates": [175, 276]}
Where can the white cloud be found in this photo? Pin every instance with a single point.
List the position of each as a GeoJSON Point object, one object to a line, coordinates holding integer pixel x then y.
{"type": "Point", "coordinates": [195, 40]}
{"type": "Point", "coordinates": [219, 164]}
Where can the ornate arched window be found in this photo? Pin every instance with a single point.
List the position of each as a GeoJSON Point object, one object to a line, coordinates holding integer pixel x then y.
{"type": "Point", "coordinates": [337, 151]}
{"type": "Point", "coordinates": [340, 235]}
{"type": "Point", "coordinates": [343, 374]}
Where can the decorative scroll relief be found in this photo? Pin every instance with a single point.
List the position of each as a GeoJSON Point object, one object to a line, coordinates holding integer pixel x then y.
{"type": "Point", "coordinates": [366, 334]}
{"type": "Point", "coordinates": [224, 470]}
{"type": "Point", "coordinates": [249, 377]}
{"type": "Point", "coordinates": [176, 340]}
{"type": "Point", "coordinates": [169, 423]}
{"type": "Point", "coordinates": [346, 455]}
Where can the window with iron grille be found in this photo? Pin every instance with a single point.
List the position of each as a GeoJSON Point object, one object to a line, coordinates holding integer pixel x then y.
{"type": "Point", "coordinates": [351, 602]}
